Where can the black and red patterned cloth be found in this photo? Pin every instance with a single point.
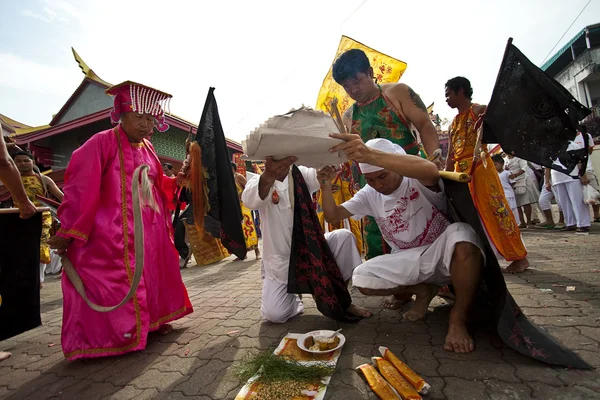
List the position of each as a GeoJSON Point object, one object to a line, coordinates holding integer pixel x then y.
{"type": "Point", "coordinates": [313, 269]}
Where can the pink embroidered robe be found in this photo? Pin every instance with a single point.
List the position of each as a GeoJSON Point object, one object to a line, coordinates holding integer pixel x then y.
{"type": "Point", "coordinates": [97, 212]}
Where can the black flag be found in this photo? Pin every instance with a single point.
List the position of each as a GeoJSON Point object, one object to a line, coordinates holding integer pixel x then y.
{"type": "Point", "coordinates": [532, 116]}
{"type": "Point", "coordinates": [516, 331]}
{"type": "Point", "coordinates": [224, 216]}
{"type": "Point", "coordinates": [19, 274]}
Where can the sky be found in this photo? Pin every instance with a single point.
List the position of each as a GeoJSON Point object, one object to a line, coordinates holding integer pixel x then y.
{"type": "Point", "coordinates": [263, 57]}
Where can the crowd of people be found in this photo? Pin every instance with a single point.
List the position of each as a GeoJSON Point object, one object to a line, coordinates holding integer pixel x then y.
{"type": "Point", "coordinates": [128, 223]}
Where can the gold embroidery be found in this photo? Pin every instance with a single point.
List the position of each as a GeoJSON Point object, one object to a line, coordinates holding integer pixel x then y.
{"type": "Point", "coordinates": [136, 305]}
{"type": "Point", "coordinates": [73, 232]}
{"type": "Point", "coordinates": [167, 317]}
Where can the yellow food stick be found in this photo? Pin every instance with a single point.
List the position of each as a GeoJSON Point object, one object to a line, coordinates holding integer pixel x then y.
{"type": "Point", "coordinates": [391, 374]}
{"type": "Point", "coordinates": [415, 380]}
{"type": "Point", "coordinates": [378, 385]}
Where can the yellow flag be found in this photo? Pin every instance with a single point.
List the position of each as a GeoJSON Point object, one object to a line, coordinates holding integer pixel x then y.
{"type": "Point", "coordinates": [385, 68]}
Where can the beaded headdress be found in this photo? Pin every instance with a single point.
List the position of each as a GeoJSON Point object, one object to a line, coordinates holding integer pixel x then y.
{"type": "Point", "coordinates": [134, 97]}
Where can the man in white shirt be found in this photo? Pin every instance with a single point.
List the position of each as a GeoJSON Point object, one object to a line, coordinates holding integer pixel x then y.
{"type": "Point", "coordinates": [569, 193]}
{"type": "Point", "coordinates": [405, 196]}
{"type": "Point", "coordinates": [590, 176]}
{"type": "Point", "coordinates": [271, 195]}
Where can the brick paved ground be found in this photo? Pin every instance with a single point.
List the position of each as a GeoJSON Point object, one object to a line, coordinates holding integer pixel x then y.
{"type": "Point", "coordinates": [195, 360]}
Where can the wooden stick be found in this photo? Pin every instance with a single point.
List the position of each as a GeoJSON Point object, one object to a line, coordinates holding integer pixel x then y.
{"type": "Point", "coordinates": [455, 176]}
{"type": "Point", "coordinates": [16, 210]}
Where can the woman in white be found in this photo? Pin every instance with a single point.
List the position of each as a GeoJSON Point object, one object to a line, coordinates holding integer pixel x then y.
{"type": "Point", "coordinates": [524, 194]}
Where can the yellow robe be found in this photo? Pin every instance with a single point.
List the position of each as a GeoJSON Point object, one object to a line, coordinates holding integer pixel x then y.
{"type": "Point", "coordinates": [33, 188]}
{"type": "Point", "coordinates": [248, 227]}
{"type": "Point", "coordinates": [206, 248]}
{"type": "Point", "coordinates": [486, 189]}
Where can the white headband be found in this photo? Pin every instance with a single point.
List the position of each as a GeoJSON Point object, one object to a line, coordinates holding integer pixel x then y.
{"type": "Point", "coordinates": [383, 145]}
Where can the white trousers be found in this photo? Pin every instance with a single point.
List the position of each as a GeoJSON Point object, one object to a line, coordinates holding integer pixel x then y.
{"type": "Point", "coordinates": [278, 305]}
{"type": "Point", "coordinates": [425, 264]}
{"type": "Point", "coordinates": [42, 272]}
{"type": "Point", "coordinates": [570, 197]}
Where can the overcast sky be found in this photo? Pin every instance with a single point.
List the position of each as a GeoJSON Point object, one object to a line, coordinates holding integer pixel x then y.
{"type": "Point", "coordinates": [263, 57]}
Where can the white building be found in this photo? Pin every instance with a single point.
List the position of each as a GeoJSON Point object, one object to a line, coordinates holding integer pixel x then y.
{"type": "Point", "coordinates": [576, 66]}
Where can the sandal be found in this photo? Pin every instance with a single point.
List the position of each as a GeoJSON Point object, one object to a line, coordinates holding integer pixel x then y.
{"type": "Point", "coordinates": [596, 219]}
{"type": "Point", "coordinates": [569, 228]}
{"type": "Point", "coordinates": [583, 231]}
{"type": "Point", "coordinates": [545, 226]}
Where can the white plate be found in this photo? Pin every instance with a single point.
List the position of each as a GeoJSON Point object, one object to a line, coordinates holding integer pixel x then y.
{"type": "Point", "coordinates": [302, 338]}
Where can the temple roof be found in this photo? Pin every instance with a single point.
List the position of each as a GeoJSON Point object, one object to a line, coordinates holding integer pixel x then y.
{"type": "Point", "coordinates": [90, 76]}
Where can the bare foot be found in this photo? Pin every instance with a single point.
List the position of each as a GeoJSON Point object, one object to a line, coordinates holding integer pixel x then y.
{"type": "Point", "coordinates": [358, 311]}
{"type": "Point", "coordinates": [392, 302]}
{"type": "Point", "coordinates": [425, 293]}
{"type": "Point", "coordinates": [41, 285]}
{"type": "Point", "coordinates": [516, 267]}
{"type": "Point", "coordinates": [4, 355]}
{"type": "Point", "coordinates": [165, 329]}
{"type": "Point", "coordinates": [458, 339]}
{"type": "Point", "coordinates": [257, 252]}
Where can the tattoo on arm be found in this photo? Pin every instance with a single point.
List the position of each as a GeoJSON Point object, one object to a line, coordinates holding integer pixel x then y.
{"type": "Point", "coordinates": [416, 99]}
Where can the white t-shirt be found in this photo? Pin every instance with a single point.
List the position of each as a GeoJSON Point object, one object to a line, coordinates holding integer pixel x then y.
{"type": "Point", "coordinates": [514, 165]}
{"type": "Point", "coordinates": [508, 190]}
{"type": "Point", "coordinates": [412, 216]}
{"type": "Point", "coordinates": [559, 177]}
{"type": "Point", "coordinates": [277, 222]}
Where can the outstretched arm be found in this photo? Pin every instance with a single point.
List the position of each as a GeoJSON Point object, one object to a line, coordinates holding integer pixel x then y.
{"type": "Point", "coordinates": [10, 176]}
{"type": "Point", "coordinates": [53, 189]}
{"type": "Point", "coordinates": [405, 165]}
{"type": "Point", "coordinates": [333, 213]}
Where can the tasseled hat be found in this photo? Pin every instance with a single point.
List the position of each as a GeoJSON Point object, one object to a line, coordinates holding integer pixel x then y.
{"type": "Point", "coordinates": [134, 97]}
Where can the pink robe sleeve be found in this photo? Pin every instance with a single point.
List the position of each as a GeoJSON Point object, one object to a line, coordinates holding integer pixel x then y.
{"type": "Point", "coordinates": [82, 191]}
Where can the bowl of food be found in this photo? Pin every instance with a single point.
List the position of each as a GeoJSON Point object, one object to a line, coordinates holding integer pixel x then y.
{"type": "Point", "coordinates": [320, 342]}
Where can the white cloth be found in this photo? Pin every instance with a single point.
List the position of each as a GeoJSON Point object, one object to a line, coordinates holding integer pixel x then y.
{"type": "Point", "coordinates": [277, 305]}
{"type": "Point", "coordinates": [55, 264]}
{"type": "Point", "coordinates": [545, 199]}
{"type": "Point", "coordinates": [515, 165]}
{"type": "Point", "coordinates": [570, 197]}
{"type": "Point", "coordinates": [577, 144]}
{"type": "Point", "coordinates": [276, 221]}
{"type": "Point", "coordinates": [429, 264]}
{"type": "Point", "coordinates": [508, 190]}
{"type": "Point", "coordinates": [411, 216]}
{"type": "Point", "coordinates": [42, 272]}
{"type": "Point", "coordinates": [531, 195]}
{"type": "Point", "coordinates": [382, 145]}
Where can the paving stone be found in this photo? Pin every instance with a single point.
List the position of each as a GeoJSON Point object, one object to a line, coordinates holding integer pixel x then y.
{"type": "Point", "coordinates": [131, 393]}
{"type": "Point", "coordinates": [459, 389]}
{"type": "Point", "coordinates": [44, 387]}
{"type": "Point", "coordinates": [507, 391]}
{"type": "Point", "coordinates": [18, 377]}
{"type": "Point", "coordinates": [546, 392]}
{"type": "Point", "coordinates": [185, 365]}
{"type": "Point", "coordinates": [476, 370]}
{"type": "Point", "coordinates": [202, 378]}
{"type": "Point", "coordinates": [157, 379]}
{"type": "Point", "coordinates": [88, 390]}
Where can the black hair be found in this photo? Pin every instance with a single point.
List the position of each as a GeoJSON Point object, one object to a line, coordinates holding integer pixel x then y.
{"type": "Point", "coordinates": [460, 82]}
{"type": "Point", "coordinates": [497, 158]}
{"type": "Point", "coordinates": [23, 153]}
{"type": "Point", "coordinates": [168, 165]}
{"type": "Point", "coordinates": [582, 128]}
{"type": "Point", "coordinates": [350, 64]}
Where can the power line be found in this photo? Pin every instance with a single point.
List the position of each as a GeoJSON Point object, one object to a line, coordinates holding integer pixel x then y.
{"type": "Point", "coordinates": [572, 23]}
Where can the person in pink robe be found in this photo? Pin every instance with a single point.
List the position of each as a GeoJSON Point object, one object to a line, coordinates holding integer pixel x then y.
{"type": "Point", "coordinates": [97, 235]}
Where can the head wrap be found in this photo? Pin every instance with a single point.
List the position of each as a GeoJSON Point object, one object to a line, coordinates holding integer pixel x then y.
{"type": "Point", "coordinates": [382, 145]}
{"type": "Point", "coordinates": [133, 97]}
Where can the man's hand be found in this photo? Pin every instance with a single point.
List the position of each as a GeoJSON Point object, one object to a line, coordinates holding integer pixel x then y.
{"type": "Point", "coordinates": [275, 170]}
{"type": "Point", "coordinates": [326, 175]}
{"type": "Point", "coordinates": [353, 146]}
{"type": "Point", "coordinates": [59, 243]}
{"type": "Point", "coordinates": [549, 187]}
{"type": "Point", "coordinates": [585, 180]}
{"type": "Point", "coordinates": [27, 209]}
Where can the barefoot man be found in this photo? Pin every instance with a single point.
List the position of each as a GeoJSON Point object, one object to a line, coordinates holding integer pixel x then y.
{"type": "Point", "coordinates": [485, 187]}
{"type": "Point", "coordinates": [389, 111]}
{"type": "Point", "coordinates": [405, 196]}
{"type": "Point", "coordinates": [269, 193]}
